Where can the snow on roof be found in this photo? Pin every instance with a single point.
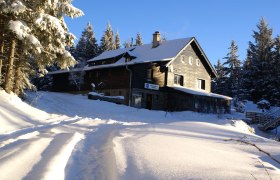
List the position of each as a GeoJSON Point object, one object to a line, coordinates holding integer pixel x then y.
{"type": "Point", "coordinates": [110, 54]}
{"type": "Point", "coordinates": [200, 92]}
{"type": "Point", "coordinates": [66, 71]}
{"type": "Point", "coordinates": [146, 53]}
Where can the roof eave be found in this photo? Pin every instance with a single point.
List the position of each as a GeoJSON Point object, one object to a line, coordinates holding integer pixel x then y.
{"type": "Point", "coordinates": [214, 73]}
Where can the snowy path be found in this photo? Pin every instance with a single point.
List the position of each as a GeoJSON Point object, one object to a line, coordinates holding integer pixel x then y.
{"type": "Point", "coordinates": [43, 150]}
{"type": "Point", "coordinates": [85, 139]}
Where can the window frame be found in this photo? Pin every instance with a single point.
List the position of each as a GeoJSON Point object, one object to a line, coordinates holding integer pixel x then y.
{"type": "Point", "coordinates": [197, 62]}
{"type": "Point", "coordinates": [190, 60]}
{"type": "Point", "coordinates": [178, 79]}
{"type": "Point", "coordinates": [201, 84]}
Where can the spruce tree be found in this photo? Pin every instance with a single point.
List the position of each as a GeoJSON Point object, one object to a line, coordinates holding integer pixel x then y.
{"type": "Point", "coordinates": [275, 90]}
{"type": "Point", "coordinates": [127, 44]}
{"type": "Point", "coordinates": [138, 40]}
{"type": "Point", "coordinates": [259, 63]}
{"type": "Point", "coordinates": [117, 41]}
{"type": "Point", "coordinates": [232, 71]}
{"type": "Point", "coordinates": [34, 33]}
{"type": "Point", "coordinates": [218, 84]}
{"type": "Point", "coordinates": [107, 40]}
{"type": "Point", "coordinates": [131, 42]}
{"type": "Point", "coordinates": [87, 46]}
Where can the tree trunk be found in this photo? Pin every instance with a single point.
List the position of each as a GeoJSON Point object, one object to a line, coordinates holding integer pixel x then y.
{"type": "Point", "coordinates": [1, 55]}
{"type": "Point", "coordinates": [9, 74]}
{"type": "Point", "coordinates": [1, 50]}
{"type": "Point", "coordinates": [17, 78]}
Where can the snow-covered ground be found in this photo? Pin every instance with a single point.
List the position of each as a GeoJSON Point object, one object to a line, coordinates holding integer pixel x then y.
{"type": "Point", "coordinates": [64, 136]}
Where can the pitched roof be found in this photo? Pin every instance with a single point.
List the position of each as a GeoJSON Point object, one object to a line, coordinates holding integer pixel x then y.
{"type": "Point", "coordinates": [166, 51]}
{"type": "Point", "coordinates": [146, 53]}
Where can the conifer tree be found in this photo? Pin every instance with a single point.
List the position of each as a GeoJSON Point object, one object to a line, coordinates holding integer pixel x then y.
{"type": "Point", "coordinates": [87, 46]}
{"type": "Point", "coordinates": [127, 44]}
{"type": "Point", "coordinates": [259, 63]}
{"type": "Point", "coordinates": [107, 40]}
{"type": "Point", "coordinates": [232, 70]}
{"type": "Point", "coordinates": [131, 43]}
{"type": "Point", "coordinates": [117, 41]}
{"type": "Point", "coordinates": [275, 81]}
{"type": "Point", "coordinates": [34, 32]}
{"type": "Point", "coordinates": [218, 84]}
{"type": "Point", "coordinates": [138, 40]}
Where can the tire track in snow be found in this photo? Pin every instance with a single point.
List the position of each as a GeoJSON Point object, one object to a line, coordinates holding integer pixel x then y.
{"type": "Point", "coordinates": [55, 157]}
{"type": "Point", "coordinates": [95, 154]}
{"type": "Point", "coordinates": [14, 136]}
{"type": "Point", "coordinates": [17, 160]}
{"type": "Point", "coordinates": [50, 159]}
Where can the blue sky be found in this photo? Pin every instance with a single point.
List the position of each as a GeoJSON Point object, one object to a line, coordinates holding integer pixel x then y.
{"type": "Point", "coordinates": [213, 22]}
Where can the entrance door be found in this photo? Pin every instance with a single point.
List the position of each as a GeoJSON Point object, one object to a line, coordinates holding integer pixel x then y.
{"type": "Point", "coordinates": [149, 101]}
{"type": "Point", "coordinates": [137, 98]}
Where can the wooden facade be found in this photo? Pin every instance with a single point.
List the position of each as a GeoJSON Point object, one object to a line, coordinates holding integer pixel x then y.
{"type": "Point", "coordinates": [150, 84]}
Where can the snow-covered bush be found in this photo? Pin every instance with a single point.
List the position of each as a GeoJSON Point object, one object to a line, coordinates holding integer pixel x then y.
{"type": "Point", "coordinates": [263, 104]}
{"type": "Point", "coordinates": [239, 106]}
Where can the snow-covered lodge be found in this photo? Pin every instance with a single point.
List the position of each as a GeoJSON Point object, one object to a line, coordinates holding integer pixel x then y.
{"type": "Point", "coordinates": [172, 75]}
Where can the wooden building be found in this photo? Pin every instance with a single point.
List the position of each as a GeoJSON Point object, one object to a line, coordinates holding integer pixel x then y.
{"type": "Point", "coordinates": [170, 75]}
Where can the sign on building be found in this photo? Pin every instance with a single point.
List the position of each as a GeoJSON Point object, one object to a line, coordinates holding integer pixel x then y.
{"type": "Point", "coordinates": [151, 86]}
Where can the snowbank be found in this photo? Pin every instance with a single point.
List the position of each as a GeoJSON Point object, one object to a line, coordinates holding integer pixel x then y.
{"type": "Point", "coordinates": [15, 114]}
{"type": "Point", "coordinates": [71, 137]}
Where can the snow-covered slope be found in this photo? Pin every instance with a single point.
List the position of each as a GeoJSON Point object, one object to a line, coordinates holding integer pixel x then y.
{"type": "Point", "coordinates": [70, 137]}
{"type": "Point", "coordinates": [15, 114]}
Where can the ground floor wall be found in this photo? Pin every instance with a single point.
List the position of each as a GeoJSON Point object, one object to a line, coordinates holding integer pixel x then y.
{"type": "Point", "coordinates": [148, 99]}
{"type": "Point", "coordinates": [167, 99]}
{"type": "Point", "coordinates": [173, 100]}
{"type": "Point", "coordinates": [180, 101]}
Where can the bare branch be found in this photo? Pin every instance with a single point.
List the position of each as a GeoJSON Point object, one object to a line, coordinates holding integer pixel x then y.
{"type": "Point", "coordinates": [265, 169]}
{"type": "Point", "coordinates": [254, 145]}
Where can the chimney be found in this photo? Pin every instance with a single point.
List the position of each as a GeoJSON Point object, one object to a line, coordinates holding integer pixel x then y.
{"type": "Point", "coordinates": [156, 39]}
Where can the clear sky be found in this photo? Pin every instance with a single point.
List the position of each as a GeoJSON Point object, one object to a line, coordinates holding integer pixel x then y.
{"type": "Point", "coordinates": [213, 22]}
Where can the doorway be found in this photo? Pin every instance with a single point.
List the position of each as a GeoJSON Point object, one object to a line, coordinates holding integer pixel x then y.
{"type": "Point", "coordinates": [149, 101]}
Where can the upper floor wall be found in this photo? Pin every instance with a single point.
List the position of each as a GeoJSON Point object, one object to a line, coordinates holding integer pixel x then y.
{"type": "Point", "coordinates": [189, 70]}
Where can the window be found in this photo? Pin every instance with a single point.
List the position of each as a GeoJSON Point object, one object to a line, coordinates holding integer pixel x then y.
{"type": "Point", "coordinates": [197, 62]}
{"type": "Point", "coordinates": [157, 97]}
{"type": "Point", "coordinates": [201, 84]}
{"type": "Point", "coordinates": [127, 59]}
{"type": "Point", "coordinates": [183, 59]}
{"type": "Point", "coordinates": [190, 60]}
{"type": "Point", "coordinates": [178, 79]}
{"type": "Point", "coordinates": [171, 68]}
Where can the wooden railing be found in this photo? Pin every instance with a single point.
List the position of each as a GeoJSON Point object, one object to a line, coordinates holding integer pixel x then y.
{"type": "Point", "coordinates": [267, 121]}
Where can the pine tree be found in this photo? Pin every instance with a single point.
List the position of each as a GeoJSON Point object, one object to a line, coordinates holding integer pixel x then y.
{"type": "Point", "coordinates": [138, 40]}
{"type": "Point", "coordinates": [232, 71]}
{"type": "Point", "coordinates": [259, 63]}
{"type": "Point", "coordinates": [34, 32]}
{"type": "Point", "coordinates": [127, 44]}
{"type": "Point", "coordinates": [107, 40]}
{"type": "Point", "coordinates": [275, 91]}
{"type": "Point", "coordinates": [218, 84]}
{"type": "Point", "coordinates": [87, 46]}
{"type": "Point", "coordinates": [117, 41]}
